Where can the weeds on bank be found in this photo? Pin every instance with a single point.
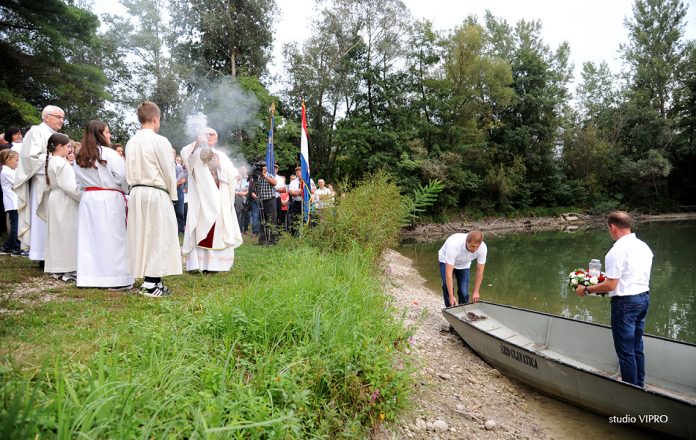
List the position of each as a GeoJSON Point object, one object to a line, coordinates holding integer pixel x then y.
{"type": "Point", "coordinates": [369, 216]}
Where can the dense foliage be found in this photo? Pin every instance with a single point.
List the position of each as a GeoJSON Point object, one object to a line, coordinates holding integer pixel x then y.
{"type": "Point", "coordinates": [486, 108]}
{"type": "Point", "coordinates": [51, 54]}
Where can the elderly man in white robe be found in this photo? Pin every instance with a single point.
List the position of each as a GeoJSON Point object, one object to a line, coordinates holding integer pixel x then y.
{"type": "Point", "coordinates": [30, 182]}
{"type": "Point", "coordinates": [212, 229]}
{"type": "Point", "coordinates": [153, 237]}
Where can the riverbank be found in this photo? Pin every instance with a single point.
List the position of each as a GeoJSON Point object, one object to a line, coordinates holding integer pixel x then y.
{"type": "Point", "coordinates": [569, 221]}
{"type": "Point", "coordinates": [457, 395]}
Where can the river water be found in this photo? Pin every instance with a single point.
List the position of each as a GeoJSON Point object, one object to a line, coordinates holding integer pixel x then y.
{"type": "Point", "coordinates": [529, 270]}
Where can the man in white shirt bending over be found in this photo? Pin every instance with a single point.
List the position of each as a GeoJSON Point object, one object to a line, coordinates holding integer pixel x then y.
{"type": "Point", "coordinates": [455, 257]}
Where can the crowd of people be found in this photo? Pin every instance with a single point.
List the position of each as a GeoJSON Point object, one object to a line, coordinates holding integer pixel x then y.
{"type": "Point", "coordinates": [100, 214]}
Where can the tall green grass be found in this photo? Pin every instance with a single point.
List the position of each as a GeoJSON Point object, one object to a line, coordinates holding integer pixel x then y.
{"type": "Point", "coordinates": [294, 342]}
{"type": "Point", "coordinates": [369, 216]}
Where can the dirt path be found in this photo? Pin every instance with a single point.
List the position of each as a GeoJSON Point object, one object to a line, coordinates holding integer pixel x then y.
{"type": "Point", "coordinates": [456, 395]}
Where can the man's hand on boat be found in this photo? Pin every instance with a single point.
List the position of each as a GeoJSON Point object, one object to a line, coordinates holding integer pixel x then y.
{"type": "Point", "coordinates": [475, 296]}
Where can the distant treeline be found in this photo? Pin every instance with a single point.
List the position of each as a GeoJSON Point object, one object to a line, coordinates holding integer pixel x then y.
{"type": "Point", "coordinates": [486, 107]}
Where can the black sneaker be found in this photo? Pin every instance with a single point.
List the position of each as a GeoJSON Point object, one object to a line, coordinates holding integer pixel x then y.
{"type": "Point", "coordinates": [155, 292]}
{"type": "Point", "coordinates": [20, 254]}
{"type": "Point", "coordinates": [4, 251]}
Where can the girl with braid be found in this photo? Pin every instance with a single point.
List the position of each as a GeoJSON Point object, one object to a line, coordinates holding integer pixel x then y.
{"type": "Point", "coordinates": [61, 212]}
{"type": "Point", "coordinates": [101, 243]}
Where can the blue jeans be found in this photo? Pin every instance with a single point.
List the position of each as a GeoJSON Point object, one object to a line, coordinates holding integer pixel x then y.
{"type": "Point", "coordinates": [255, 217]}
{"type": "Point", "coordinates": [12, 244]}
{"type": "Point", "coordinates": [462, 277]}
{"type": "Point", "coordinates": [179, 209]}
{"type": "Point", "coordinates": [627, 324]}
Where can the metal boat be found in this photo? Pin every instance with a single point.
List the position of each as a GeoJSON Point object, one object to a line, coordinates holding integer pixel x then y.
{"type": "Point", "coordinates": [575, 361]}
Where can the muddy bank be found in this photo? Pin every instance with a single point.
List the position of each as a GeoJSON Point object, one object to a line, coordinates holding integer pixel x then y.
{"type": "Point", "coordinates": [569, 221]}
{"type": "Point", "coordinates": [456, 395]}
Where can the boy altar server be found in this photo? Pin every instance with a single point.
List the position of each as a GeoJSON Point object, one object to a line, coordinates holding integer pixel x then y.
{"type": "Point", "coordinates": [153, 240]}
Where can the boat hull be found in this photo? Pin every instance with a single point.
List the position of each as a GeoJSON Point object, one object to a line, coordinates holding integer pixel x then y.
{"type": "Point", "coordinates": [534, 348]}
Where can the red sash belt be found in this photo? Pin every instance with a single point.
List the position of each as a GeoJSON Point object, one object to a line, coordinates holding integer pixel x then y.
{"type": "Point", "coordinates": [125, 200]}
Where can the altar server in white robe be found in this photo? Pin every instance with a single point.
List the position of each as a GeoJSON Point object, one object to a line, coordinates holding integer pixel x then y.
{"type": "Point", "coordinates": [153, 237]}
{"type": "Point", "coordinates": [102, 239]}
{"type": "Point", "coordinates": [212, 230]}
{"type": "Point", "coordinates": [61, 203]}
{"type": "Point", "coordinates": [30, 182]}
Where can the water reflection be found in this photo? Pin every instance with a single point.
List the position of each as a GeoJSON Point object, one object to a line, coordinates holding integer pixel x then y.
{"type": "Point", "coordinates": [529, 270]}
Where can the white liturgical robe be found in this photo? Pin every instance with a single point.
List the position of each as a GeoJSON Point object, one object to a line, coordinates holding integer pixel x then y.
{"type": "Point", "coordinates": [30, 184]}
{"type": "Point", "coordinates": [61, 217]}
{"type": "Point", "coordinates": [153, 237]}
{"type": "Point", "coordinates": [211, 206]}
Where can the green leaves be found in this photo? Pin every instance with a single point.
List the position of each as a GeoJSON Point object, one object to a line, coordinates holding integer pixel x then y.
{"type": "Point", "coordinates": [52, 55]}
{"type": "Point", "coordinates": [423, 198]}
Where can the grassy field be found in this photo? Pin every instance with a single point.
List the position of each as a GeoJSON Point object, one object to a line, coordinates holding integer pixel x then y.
{"type": "Point", "coordinates": [292, 343]}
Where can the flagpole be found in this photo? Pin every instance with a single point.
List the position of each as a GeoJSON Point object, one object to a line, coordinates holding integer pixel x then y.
{"type": "Point", "coordinates": [272, 118]}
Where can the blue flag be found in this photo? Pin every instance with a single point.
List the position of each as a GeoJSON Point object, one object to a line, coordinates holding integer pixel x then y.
{"type": "Point", "coordinates": [270, 154]}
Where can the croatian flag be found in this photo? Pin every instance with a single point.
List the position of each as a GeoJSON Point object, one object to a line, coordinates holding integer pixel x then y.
{"type": "Point", "coordinates": [304, 164]}
{"type": "Point", "coordinates": [270, 154]}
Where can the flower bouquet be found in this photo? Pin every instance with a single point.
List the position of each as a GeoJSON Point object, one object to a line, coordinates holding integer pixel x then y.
{"type": "Point", "coordinates": [582, 277]}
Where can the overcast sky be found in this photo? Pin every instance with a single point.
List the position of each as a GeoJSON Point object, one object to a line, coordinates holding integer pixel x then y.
{"type": "Point", "coordinates": [593, 28]}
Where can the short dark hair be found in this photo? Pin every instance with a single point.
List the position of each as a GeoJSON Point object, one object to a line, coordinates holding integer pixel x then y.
{"type": "Point", "coordinates": [620, 219]}
{"type": "Point", "coordinates": [148, 111]}
{"type": "Point", "coordinates": [11, 132]}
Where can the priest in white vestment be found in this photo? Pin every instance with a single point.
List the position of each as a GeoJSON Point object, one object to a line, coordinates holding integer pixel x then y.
{"type": "Point", "coordinates": [212, 230]}
{"type": "Point", "coordinates": [30, 182]}
{"type": "Point", "coordinates": [153, 237]}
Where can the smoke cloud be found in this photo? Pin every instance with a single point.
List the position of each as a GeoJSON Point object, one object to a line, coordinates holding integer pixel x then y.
{"type": "Point", "coordinates": [221, 104]}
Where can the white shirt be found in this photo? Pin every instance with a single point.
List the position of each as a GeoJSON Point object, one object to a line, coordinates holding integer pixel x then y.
{"type": "Point", "coordinates": [324, 197]}
{"type": "Point", "coordinates": [7, 178]}
{"type": "Point", "coordinates": [17, 146]}
{"type": "Point", "coordinates": [454, 252]}
{"type": "Point", "coordinates": [629, 261]}
{"type": "Point", "coordinates": [294, 186]}
{"type": "Point", "coordinates": [280, 184]}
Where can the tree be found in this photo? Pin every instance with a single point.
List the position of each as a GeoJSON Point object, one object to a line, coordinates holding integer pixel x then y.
{"type": "Point", "coordinates": [222, 37]}
{"type": "Point", "coordinates": [324, 72]}
{"type": "Point", "coordinates": [682, 180]}
{"type": "Point", "coordinates": [654, 56]}
{"type": "Point", "coordinates": [529, 128]}
{"type": "Point", "coordinates": [597, 96]}
{"type": "Point", "coordinates": [655, 51]}
{"type": "Point", "coordinates": [52, 55]}
{"type": "Point", "coordinates": [141, 67]}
